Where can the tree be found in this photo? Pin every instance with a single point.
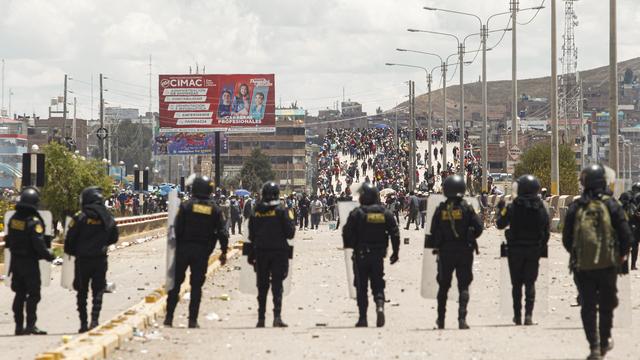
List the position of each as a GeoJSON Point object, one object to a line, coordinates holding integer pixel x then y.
{"type": "Point", "coordinates": [133, 144]}
{"type": "Point", "coordinates": [66, 176]}
{"type": "Point", "coordinates": [537, 161]}
{"type": "Point", "coordinates": [256, 170]}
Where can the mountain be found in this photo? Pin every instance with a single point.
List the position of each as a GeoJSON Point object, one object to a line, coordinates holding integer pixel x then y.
{"type": "Point", "coordinates": [499, 92]}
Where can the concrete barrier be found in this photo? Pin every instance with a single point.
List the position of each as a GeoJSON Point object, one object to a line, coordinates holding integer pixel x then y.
{"type": "Point", "coordinates": [101, 342]}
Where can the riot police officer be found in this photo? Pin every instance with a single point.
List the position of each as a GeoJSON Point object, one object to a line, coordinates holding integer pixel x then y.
{"type": "Point", "coordinates": [367, 231]}
{"type": "Point", "coordinates": [199, 225]}
{"type": "Point", "coordinates": [596, 233]}
{"type": "Point", "coordinates": [631, 209]}
{"type": "Point", "coordinates": [270, 225]}
{"type": "Point", "coordinates": [527, 239]}
{"type": "Point", "coordinates": [90, 233]}
{"type": "Point", "coordinates": [454, 230]}
{"type": "Point", "coordinates": [26, 241]}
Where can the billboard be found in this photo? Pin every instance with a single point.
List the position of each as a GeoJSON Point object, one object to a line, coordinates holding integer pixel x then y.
{"type": "Point", "coordinates": [234, 103]}
{"type": "Point", "coordinates": [188, 143]}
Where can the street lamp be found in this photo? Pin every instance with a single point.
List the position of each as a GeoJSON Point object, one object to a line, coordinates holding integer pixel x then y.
{"type": "Point", "coordinates": [483, 36]}
{"type": "Point", "coordinates": [106, 163]}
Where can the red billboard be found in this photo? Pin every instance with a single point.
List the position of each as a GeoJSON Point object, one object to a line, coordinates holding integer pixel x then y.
{"type": "Point", "coordinates": [235, 103]}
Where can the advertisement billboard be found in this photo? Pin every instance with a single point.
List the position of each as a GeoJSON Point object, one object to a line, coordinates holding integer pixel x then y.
{"type": "Point", "coordinates": [233, 103]}
{"type": "Point", "coordinates": [188, 143]}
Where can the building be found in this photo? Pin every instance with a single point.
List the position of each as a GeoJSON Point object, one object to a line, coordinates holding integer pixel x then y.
{"type": "Point", "coordinates": [44, 131]}
{"type": "Point", "coordinates": [13, 143]}
{"type": "Point", "coordinates": [285, 147]}
{"type": "Point", "coordinates": [114, 114]}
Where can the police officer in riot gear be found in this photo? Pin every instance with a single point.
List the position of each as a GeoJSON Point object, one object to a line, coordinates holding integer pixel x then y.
{"type": "Point", "coordinates": [367, 231]}
{"type": "Point", "coordinates": [90, 233]}
{"type": "Point", "coordinates": [631, 209]}
{"type": "Point", "coordinates": [527, 239]}
{"type": "Point", "coordinates": [270, 225]}
{"type": "Point", "coordinates": [26, 241]}
{"type": "Point", "coordinates": [596, 276]}
{"type": "Point", "coordinates": [199, 225]}
{"type": "Point", "coordinates": [454, 230]}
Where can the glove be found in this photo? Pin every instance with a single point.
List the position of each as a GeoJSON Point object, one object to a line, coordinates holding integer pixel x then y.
{"type": "Point", "coordinates": [501, 204]}
{"type": "Point", "coordinates": [394, 258]}
{"type": "Point", "coordinates": [251, 259]}
{"type": "Point", "coordinates": [435, 251]}
{"type": "Point", "coordinates": [223, 258]}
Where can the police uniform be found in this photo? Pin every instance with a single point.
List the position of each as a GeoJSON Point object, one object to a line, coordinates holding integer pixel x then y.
{"type": "Point", "coordinates": [90, 233]}
{"type": "Point", "coordinates": [198, 226]}
{"type": "Point", "coordinates": [455, 226]}
{"type": "Point", "coordinates": [26, 241]}
{"type": "Point", "coordinates": [367, 232]}
{"type": "Point", "coordinates": [597, 288]}
{"type": "Point", "coordinates": [270, 225]}
{"type": "Point", "coordinates": [527, 240]}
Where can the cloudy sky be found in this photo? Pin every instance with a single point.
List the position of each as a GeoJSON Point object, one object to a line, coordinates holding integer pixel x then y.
{"type": "Point", "coordinates": [315, 47]}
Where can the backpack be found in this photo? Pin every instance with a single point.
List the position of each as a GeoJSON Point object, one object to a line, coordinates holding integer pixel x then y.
{"type": "Point", "coordinates": [594, 238]}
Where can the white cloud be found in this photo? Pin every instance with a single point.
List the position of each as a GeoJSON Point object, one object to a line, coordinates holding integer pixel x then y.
{"type": "Point", "coordinates": [314, 47]}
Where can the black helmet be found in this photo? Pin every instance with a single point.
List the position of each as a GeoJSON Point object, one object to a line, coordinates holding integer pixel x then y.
{"type": "Point", "coordinates": [626, 197]}
{"type": "Point", "coordinates": [528, 185]}
{"type": "Point", "coordinates": [593, 177]}
{"type": "Point", "coordinates": [91, 195]}
{"type": "Point", "coordinates": [30, 196]}
{"type": "Point", "coordinates": [270, 192]}
{"type": "Point", "coordinates": [454, 186]}
{"type": "Point", "coordinates": [369, 194]}
{"type": "Point", "coordinates": [202, 187]}
{"type": "Point", "coordinates": [635, 188]}
{"type": "Point", "coordinates": [636, 199]}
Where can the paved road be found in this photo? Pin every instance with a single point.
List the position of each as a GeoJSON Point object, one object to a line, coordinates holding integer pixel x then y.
{"type": "Point", "coordinates": [321, 317]}
{"type": "Point", "coordinates": [136, 271]}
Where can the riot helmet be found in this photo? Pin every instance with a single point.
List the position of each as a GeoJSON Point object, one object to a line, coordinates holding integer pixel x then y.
{"type": "Point", "coordinates": [635, 188]}
{"type": "Point", "coordinates": [528, 185]}
{"type": "Point", "coordinates": [270, 192]}
{"type": "Point", "coordinates": [91, 195]}
{"type": "Point", "coordinates": [454, 187]}
{"type": "Point", "coordinates": [30, 197]}
{"type": "Point", "coordinates": [369, 194]}
{"type": "Point", "coordinates": [202, 187]}
{"type": "Point", "coordinates": [626, 197]}
{"type": "Point", "coordinates": [593, 177]}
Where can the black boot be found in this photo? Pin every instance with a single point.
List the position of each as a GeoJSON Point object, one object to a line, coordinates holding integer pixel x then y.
{"type": "Point", "coordinates": [193, 324]}
{"type": "Point", "coordinates": [33, 330]}
{"type": "Point", "coordinates": [606, 346]}
{"type": "Point", "coordinates": [19, 330]}
{"type": "Point", "coordinates": [440, 322]}
{"type": "Point", "coordinates": [442, 307]}
{"type": "Point", "coordinates": [462, 310]}
{"type": "Point", "coordinates": [529, 301]}
{"type": "Point", "coordinates": [380, 313]}
{"type": "Point", "coordinates": [260, 323]}
{"type": "Point", "coordinates": [362, 321]}
{"type": "Point", "coordinates": [277, 321]}
{"type": "Point", "coordinates": [595, 354]}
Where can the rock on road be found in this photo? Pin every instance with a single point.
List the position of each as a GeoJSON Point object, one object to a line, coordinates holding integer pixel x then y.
{"type": "Point", "coordinates": [321, 317]}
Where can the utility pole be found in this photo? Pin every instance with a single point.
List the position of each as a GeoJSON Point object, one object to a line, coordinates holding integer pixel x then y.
{"type": "Point", "coordinates": [515, 5]}
{"type": "Point", "coordinates": [64, 108]}
{"type": "Point", "coordinates": [429, 120]}
{"type": "Point", "coordinates": [2, 107]}
{"type": "Point", "coordinates": [485, 162]}
{"type": "Point", "coordinates": [102, 149]}
{"type": "Point", "coordinates": [613, 88]}
{"type": "Point", "coordinates": [396, 131]}
{"type": "Point", "coordinates": [444, 115]}
{"type": "Point", "coordinates": [461, 134]}
{"type": "Point", "coordinates": [412, 132]}
{"type": "Point", "coordinates": [73, 126]}
{"type": "Point", "coordinates": [150, 80]}
{"type": "Point", "coordinates": [555, 170]}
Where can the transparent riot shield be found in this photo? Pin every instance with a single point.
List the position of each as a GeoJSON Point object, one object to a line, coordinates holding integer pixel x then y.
{"type": "Point", "coordinates": [68, 264]}
{"type": "Point", "coordinates": [623, 315]}
{"type": "Point", "coordinates": [248, 281]}
{"type": "Point", "coordinates": [173, 204]}
{"type": "Point", "coordinates": [344, 208]}
{"type": "Point", "coordinates": [45, 266]}
{"type": "Point", "coordinates": [429, 283]}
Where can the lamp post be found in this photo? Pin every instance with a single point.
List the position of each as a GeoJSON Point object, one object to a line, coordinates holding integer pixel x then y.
{"type": "Point", "coordinates": [122, 165]}
{"type": "Point", "coordinates": [484, 33]}
{"type": "Point", "coordinates": [106, 163]}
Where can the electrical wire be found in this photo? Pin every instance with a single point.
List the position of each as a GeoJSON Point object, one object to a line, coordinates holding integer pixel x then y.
{"type": "Point", "coordinates": [534, 16]}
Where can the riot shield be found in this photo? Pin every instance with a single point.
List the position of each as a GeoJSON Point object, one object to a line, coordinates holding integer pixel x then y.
{"type": "Point", "coordinates": [429, 283]}
{"type": "Point", "coordinates": [249, 282]}
{"type": "Point", "coordinates": [173, 204]}
{"type": "Point", "coordinates": [344, 208]}
{"type": "Point", "coordinates": [623, 314]}
{"type": "Point", "coordinates": [45, 266]}
{"type": "Point", "coordinates": [68, 264]}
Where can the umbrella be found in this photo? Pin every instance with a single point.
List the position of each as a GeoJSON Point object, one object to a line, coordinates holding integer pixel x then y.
{"type": "Point", "coordinates": [242, 192]}
{"type": "Point", "coordinates": [381, 126]}
{"type": "Point", "coordinates": [385, 192]}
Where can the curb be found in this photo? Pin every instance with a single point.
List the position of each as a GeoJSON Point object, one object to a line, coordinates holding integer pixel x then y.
{"type": "Point", "coordinates": [103, 341]}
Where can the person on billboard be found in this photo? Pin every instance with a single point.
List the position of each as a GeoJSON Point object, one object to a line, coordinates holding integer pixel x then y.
{"type": "Point", "coordinates": [257, 108]}
{"type": "Point", "coordinates": [241, 101]}
{"type": "Point", "coordinates": [224, 109]}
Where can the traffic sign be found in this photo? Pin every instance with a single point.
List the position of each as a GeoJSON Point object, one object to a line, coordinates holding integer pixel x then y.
{"type": "Point", "coordinates": [102, 133]}
{"type": "Point", "coordinates": [515, 153]}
